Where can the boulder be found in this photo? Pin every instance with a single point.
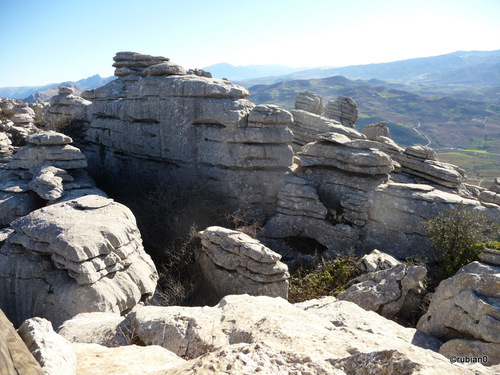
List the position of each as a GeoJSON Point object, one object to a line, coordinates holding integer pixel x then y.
{"type": "Point", "coordinates": [65, 107]}
{"type": "Point", "coordinates": [15, 357]}
{"type": "Point", "coordinates": [76, 256]}
{"type": "Point", "coordinates": [52, 351]}
{"type": "Point", "coordinates": [234, 263]}
{"type": "Point", "coordinates": [375, 131]}
{"type": "Point", "coordinates": [310, 102]}
{"type": "Point", "coordinates": [465, 307]}
{"type": "Point", "coordinates": [343, 110]}
{"type": "Point", "coordinates": [390, 288]}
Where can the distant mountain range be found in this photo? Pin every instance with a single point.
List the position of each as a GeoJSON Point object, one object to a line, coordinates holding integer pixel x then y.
{"type": "Point", "coordinates": [31, 94]}
{"type": "Point", "coordinates": [240, 73]}
{"type": "Point", "coordinates": [476, 68]}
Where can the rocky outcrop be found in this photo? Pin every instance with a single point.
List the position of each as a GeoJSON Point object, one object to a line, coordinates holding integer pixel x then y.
{"type": "Point", "coordinates": [155, 121]}
{"type": "Point", "coordinates": [20, 118]}
{"type": "Point", "coordinates": [375, 131]}
{"type": "Point", "coordinates": [51, 350]}
{"type": "Point", "coordinates": [234, 263]}
{"type": "Point", "coordinates": [65, 107]}
{"type": "Point", "coordinates": [389, 288]}
{"type": "Point", "coordinates": [422, 162]}
{"type": "Point", "coordinates": [15, 357]}
{"type": "Point", "coordinates": [80, 255]}
{"type": "Point", "coordinates": [243, 334]}
{"type": "Point", "coordinates": [343, 110]}
{"type": "Point", "coordinates": [492, 194]}
{"type": "Point", "coordinates": [465, 311]}
{"type": "Point", "coordinates": [310, 102]}
{"type": "Point", "coordinates": [47, 169]}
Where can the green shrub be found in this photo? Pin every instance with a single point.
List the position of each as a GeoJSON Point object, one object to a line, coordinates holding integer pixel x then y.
{"type": "Point", "coordinates": [328, 278]}
{"type": "Point", "coordinates": [458, 235]}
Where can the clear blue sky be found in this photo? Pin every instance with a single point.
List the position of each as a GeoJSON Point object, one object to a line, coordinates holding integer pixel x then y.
{"type": "Point", "coordinates": [53, 41]}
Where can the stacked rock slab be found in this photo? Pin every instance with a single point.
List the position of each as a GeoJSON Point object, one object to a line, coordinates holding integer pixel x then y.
{"type": "Point", "coordinates": [65, 107]}
{"type": "Point", "coordinates": [81, 255]}
{"type": "Point", "coordinates": [492, 194]}
{"type": "Point", "coordinates": [369, 202]}
{"type": "Point", "coordinates": [308, 121]}
{"type": "Point", "coordinates": [234, 263]}
{"type": "Point", "coordinates": [343, 110]}
{"type": "Point", "coordinates": [465, 311]}
{"type": "Point", "coordinates": [156, 120]}
{"type": "Point", "coordinates": [49, 169]}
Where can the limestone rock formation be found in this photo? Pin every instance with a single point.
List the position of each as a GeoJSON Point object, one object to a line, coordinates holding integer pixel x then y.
{"type": "Point", "coordinates": [375, 131]}
{"type": "Point", "coordinates": [310, 102]}
{"type": "Point", "coordinates": [465, 312]}
{"type": "Point", "coordinates": [51, 350]}
{"type": "Point", "coordinates": [155, 121]}
{"type": "Point", "coordinates": [492, 194]}
{"type": "Point", "coordinates": [77, 256]}
{"type": "Point", "coordinates": [422, 162]}
{"type": "Point", "coordinates": [20, 119]}
{"type": "Point", "coordinates": [65, 107]}
{"type": "Point", "coordinates": [234, 263]}
{"type": "Point", "coordinates": [308, 121]}
{"type": "Point", "coordinates": [15, 357]}
{"type": "Point", "coordinates": [48, 168]}
{"type": "Point", "coordinates": [343, 110]}
{"type": "Point", "coordinates": [387, 290]}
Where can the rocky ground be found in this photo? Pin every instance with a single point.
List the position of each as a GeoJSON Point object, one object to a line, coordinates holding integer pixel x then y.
{"type": "Point", "coordinates": [76, 279]}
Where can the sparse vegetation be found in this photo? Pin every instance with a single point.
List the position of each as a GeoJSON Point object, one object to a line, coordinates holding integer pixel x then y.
{"type": "Point", "coordinates": [458, 235]}
{"type": "Point", "coordinates": [327, 278]}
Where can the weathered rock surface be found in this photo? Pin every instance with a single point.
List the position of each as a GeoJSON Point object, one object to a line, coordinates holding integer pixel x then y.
{"type": "Point", "coordinates": [466, 307]}
{"type": "Point", "coordinates": [76, 256]}
{"type": "Point", "coordinates": [15, 357]}
{"type": "Point", "coordinates": [390, 288]}
{"type": "Point", "coordinates": [310, 102]}
{"type": "Point", "coordinates": [152, 117]}
{"type": "Point", "coordinates": [65, 107]}
{"type": "Point", "coordinates": [234, 263]}
{"type": "Point", "coordinates": [375, 131]}
{"type": "Point", "coordinates": [51, 350]}
{"type": "Point", "coordinates": [492, 194]}
{"type": "Point", "coordinates": [343, 110]}
{"type": "Point", "coordinates": [124, 360]}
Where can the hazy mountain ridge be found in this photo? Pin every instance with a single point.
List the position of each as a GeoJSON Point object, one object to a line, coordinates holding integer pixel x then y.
{"type": "Point", "coordinates": [28, 93]}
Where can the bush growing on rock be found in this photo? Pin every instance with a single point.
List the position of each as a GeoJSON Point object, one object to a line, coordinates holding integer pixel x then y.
{"type": "Point", "coordinates": [328, 278]}
{"type": "Point", "coordinates": [458, 235]}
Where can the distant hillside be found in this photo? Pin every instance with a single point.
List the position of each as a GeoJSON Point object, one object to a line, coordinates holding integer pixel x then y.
{"type": "Point", "coordinates": [447, 121]}
{"type": "Point", "coordinates": [474, 68]}
{"type": "Point", "coordinates": [29, 93]}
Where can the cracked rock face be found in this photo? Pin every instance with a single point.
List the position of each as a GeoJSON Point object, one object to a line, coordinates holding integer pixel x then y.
{"type": "Point", "coordinates": [465, 309]}
{"type": "Point", "coordinates": [234, 263]}
{"type": "Point", "coordinates": [77, 256]}
{"type": "Point", "coordinates": [343, 110]}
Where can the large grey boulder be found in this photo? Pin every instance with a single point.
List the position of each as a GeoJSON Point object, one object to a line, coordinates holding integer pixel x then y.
{"type": "Point", "coordinates": [310, 102]}
{"type": "Point", "coordinates": [465, 309]}
{"type": "Point", "coordinates": [389, 288]}
{"type": "Point", "coordinates": [65, 107]}
{"type": "Point", "coordinates": [51, 350]}
{"type": "Point", "coordinates": [234, 263]}
{"type": "Point", "coordinates": [77, 256]}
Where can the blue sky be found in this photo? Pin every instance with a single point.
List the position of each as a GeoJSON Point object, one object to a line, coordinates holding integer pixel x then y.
{"type": "Point", "coordinates": [53, 41]}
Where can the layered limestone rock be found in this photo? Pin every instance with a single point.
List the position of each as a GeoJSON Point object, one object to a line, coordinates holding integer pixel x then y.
{"type": "Point", "coordinates": [375, 131]}
{"type": "Point", "coordinates": [422, 162]}
{"type": "Point", "coordinates": [20, 119]}
{"type": "Point", "coordinates": [244, 334]}
{"type": "Point", "coordinates": [390, 287]}
{"type": "Point", "coordinates": [155, 121]}
{"type": "Point", "coordinates": [465, 311]}
{"type": "Point", "coordinates": [65, 107]}
{"type": "Point", "coordinates": [343, 109]}
{"type": "Point", "coordinates": [310, 102]}
{"type": "Point", "coordinates": [15, 357]}
{"type": "Point", "coordinates": [492, 194]}
{"type": "Point", "coordinates": [80, 255]}
{"type": "Point", "coordinates": [49, 169]}
{"type": "Point", "coordinates": [308, 121]}
{"type": "Point", "coordinates": [234, 263]}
